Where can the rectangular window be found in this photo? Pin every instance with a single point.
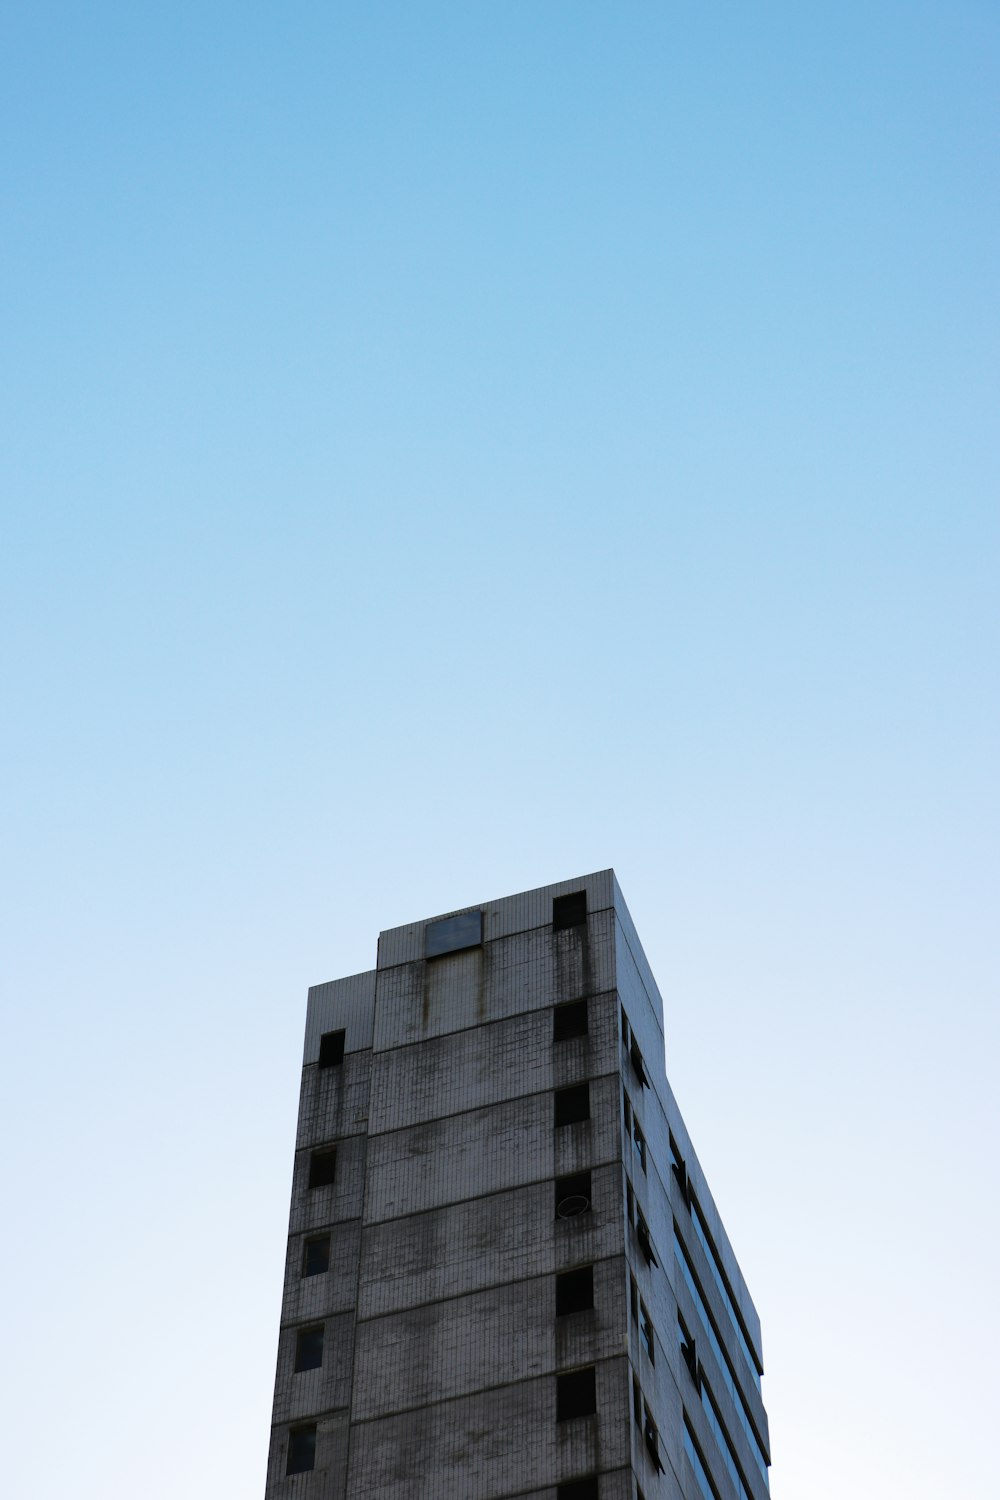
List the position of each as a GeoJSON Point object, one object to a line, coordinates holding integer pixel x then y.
{"type": "Point", "coordinates": [646, 1332]}
{"type": "Point", "coordinates": [569, 1020]}
{"type": "Point", "coordinates": [629, 1201]}
{"type": "Point", "coordinates": [331, 1049]}
{"type": "Point", "coordinates": [309, 1348]}
{"type": "Point", "coordinates": [316, 1255]}
{"type": "Point", "coordinates": [628, 1115]}
{"type": "Point", "coordinates": [574, 1291]}
{"type": "Point", "coordinates": [572, 1104]}
{"type": "Point", "coordinates": [689, 1352]}
{"type": "Point", "coordinates": [637, 1067]}
{"type": "Point", "coordinates": [636, 1402]}
{"type": "Point", "coordinates": [578, 1489]}
{"type": "Point", "coordinates": [642, 1235]}
{"type": "Point", "coordinates": [633, 1297]}
{"type": "Point", "coordinates": [569, 911]}
{"type": "Point", "coordinates": [301, 1449]}
{"type": "Point", "coordinates": [323, 1167]}
{"type": "Point", "coordinates": [453, 934]}
{"type": "Point", "coordinates": [680, 1171]}
{"type": "Point", "coordinates": [640, 1142]}
{"type": "Point", "coordinates": [573, 1195]}
{"type": "Point", "coordinates": [576, 1394]}
{"type": "Point", "coordinates": [652, 1439]}
{"type": "Point", "coordinates": [626, 1033]}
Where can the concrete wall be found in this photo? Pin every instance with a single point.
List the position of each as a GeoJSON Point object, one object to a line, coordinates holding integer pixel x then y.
{"type": "Point", "coordinates": [442, 1349]}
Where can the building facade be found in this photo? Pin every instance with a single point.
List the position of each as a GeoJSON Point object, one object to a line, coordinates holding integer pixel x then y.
{"type": "Point", "coordinates": [506, 1276]}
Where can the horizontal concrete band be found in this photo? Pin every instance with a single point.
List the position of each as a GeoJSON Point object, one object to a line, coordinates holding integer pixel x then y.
{"type": "Point", "coordinates": [478, 1291]}
{"type": "Point", "coordinates": [503, 1385]}
{"type": "Point", "coordinates": [514, 1015]}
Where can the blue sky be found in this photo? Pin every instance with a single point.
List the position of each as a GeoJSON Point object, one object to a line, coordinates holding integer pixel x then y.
{"type": "Point", "coordinates": [446, 449]}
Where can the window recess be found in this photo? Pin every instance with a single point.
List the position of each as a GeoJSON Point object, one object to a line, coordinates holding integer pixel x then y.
{"type": "Point", "coordinates": [569, 1020]}
{"type": "Point", "coordinates": [574, 1291]}
{"type": "Point", "coordinates": [652, 1439]}
{"type": "Point", "coordinates": [576, 1394]}
{"type": "Point", "coordinates": [646, 1332]}
{"type": "Point", "coordinates": [331, 1049]}
{"type": "Point", "coordinates": [572, 1104]}
{"type": "Point", "coordinates": [578, 1489]}
{"type": "Point", "coordinates": [301, 1449]}
{"type": "Point", "coordinates": [309, 1348]}
{"type": "Point", "coordinates": [679, 1168]}
{"type": "Point", "coordinates": [316, 1255]}
{"type": "Point", "coordinates": [642, 1235]}
{"type": "Point", "coordinates": [323, 1167]}
{"type": "Point", "coordinates": [569, 911]}
{"type": "Point", "coordinates": [573, 1195]}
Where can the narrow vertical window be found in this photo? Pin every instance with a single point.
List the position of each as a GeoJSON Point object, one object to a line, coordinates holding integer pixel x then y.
{"type": "Point", "coordinates": [309, 1348]}
{"type": "Point", "coordinates": [323, 1167]}
{"type": "Point", "coordinates": [652, 1440]}
{"type": "Point", "coordinates": [640, 1142]}
{"type": "Point", "coordinates": [316, 1255]}
{"type": "Point", "coordinates": [646, 1332]}
{"type": "Point", "coordinates": [633, 1297]}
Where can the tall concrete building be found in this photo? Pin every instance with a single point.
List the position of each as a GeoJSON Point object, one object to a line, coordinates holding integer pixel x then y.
{"type": "Point", "coordinates": [506, 1275]}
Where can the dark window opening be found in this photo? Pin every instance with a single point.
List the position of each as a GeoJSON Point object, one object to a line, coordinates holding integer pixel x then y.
{"type": "Point", "coordinates": [574, 1291]}
{"type": "Point", "coordinates": [331, 1049]}
{"type": "Point", "coordinates": [578, 1489]}
{"type": "Point", "coordinates": [639, 1070]}
{"type": "Point", "coordinates": [652, 1439]}
{"type": "Point", "coordinates": [626, 1034]}
{"type": "Point", "coordinates": [569, 911]}
{"type": "Point", "coordinates": [633, 1297]}
{"type": "Point", "coordinates": [323, 1167]}
{"type": "Point", "coordinates": [629, 1201]}
{"type": "Point", "coordinates": [309, 1348]}
{"type": "Point", "coordinates": [636, 1402]}
{"type": "Point", "coordinates": [569, 1020]}
{"type": "Point", "coordinates": [301, 1450]}
{"type": "Point", "coordinates": [646, 1332]}
{"type": "Point", "coordinates": [679, 1168]}
{"type": "Point", "coordinates": [640, 1141]}
{"type": "Point", "coordinates": [576, 1394]}
{"type": "Point", "coordinates": [628, 1115]}
{"type": "Point", "coordinates": [453, 934]}
{"type": "Point", "coordinates": [572, 1104]}
{"type": "Point", "coordinates": [642, 1235]}
{"type": "Point", "coordinates": [689, 1352]}
{"type": "Point", "coordinates": [572, 1195]}
{"type": "Point", "coordinates": [316, 1255]}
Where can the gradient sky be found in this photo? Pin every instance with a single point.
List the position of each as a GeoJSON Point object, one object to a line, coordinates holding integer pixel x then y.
{"type": "Point", "coordinates": [447, 448]}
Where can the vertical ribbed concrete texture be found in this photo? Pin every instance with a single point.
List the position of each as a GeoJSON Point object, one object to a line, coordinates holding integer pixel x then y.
{"type": "Point", "coordinates": [442, 1360]}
